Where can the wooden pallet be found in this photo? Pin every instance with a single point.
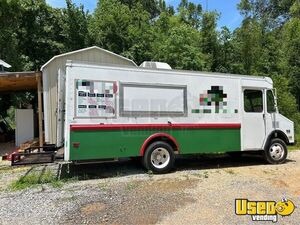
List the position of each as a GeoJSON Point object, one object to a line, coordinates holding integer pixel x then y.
{"type": "Point", "coordinates": [28, 145]}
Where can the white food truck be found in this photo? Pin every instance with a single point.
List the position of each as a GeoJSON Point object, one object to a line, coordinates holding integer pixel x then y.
{"type": "Point", "coordinates": [114, 112]}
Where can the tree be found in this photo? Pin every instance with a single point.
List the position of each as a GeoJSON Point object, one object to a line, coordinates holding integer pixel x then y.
{"type": "Point", "coordinates": [268, 44]}
{"type": "Point", "coordinates": [153, 7]}
{"type": "Point", "coordinates": [210, 37]}
{"type": "Point", "coordinates": [140, 35]}
{"type": "Point", "coordinates": [9, 22]}
{"type": "Point", "coordinates": [190, 13]}
{"type": "Point", "coordinates": [180, 47]}
{"type": "Point", "coordinates": [39, 33]}
{"type": "Point", "coordinates": [225, 54]}
{"type": "Point", "coordinates": [291, 48]}
{"type": "Point", "coordinates": [109, 25]}
{"type": "Point", "coordinates": [74, 27]}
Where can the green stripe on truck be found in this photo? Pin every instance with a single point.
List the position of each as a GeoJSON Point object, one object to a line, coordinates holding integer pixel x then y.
{"type": "Point", "coordinates": [93, 144]}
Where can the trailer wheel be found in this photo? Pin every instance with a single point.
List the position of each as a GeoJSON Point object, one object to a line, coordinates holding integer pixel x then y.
{"type": "Point", "coordinates": [276, 152]}
{"type": "Point", "coordinates": [159, 157]}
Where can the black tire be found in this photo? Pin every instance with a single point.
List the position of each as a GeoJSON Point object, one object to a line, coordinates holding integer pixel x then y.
{"type": "Point", "coordinates": [273, 155]}
{"type": "Point", "coordinates": [163, 157]}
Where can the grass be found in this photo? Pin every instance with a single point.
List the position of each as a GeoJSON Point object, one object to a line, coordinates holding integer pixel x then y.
{"type": "Point", "coordinates": [199, 175]}
{"type": "Point", "coordinates": [150, 174]}
{"type": "Point", "coordinates": [230, 171]}
{"type": "Point", "coordinates": [118, 174]}
{"type": "Point", "coordinates": [297, 145]}
{"type": "Point", "coordinates": [131, 186]}
{"type": "Point", "coordinates": [205, 174]}
{"type": "Point", "coordinates": [103, 186]}
{"type": "Point", "coordinates": [35, 179]}
{"type": "Point", "coordinates": [10, 169]}
{"type": "Point", "coordinates": [57, 183]}
{"type": "Point", "coordinates": [202, 174]}
{"type": "Point", "coordinates": [293, 148]}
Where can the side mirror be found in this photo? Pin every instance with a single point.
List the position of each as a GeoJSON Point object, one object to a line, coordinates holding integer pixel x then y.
{"type": "Point", "coordinates": [275, 93]}
{"type": "Point", "coordinates": [275, 99]}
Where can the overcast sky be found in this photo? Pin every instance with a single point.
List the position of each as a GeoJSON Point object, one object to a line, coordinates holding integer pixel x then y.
{"type": "Point", "coordinates": [230, 16]}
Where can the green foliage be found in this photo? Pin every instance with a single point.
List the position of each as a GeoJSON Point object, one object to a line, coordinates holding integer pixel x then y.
{"type": "Point", "coordinates": [38, 33]}
{"type": "Point", "coordinates": [286, 101]}
{"type": "Point", "coordinates": [190, 13]}
{"type": "Point", "coordinates": [245, 7]}
{"type": "Point", "coordinates": [109, 25]}
{"type": "Point", "coordinates": [225, 56]}
{"type": "Point", "coordinates": [9, 20]}
{"type": "Point", "coordinates": [291, 51]}
{"type": "Point", "coordinates": [210, 38]}
{"type": "Point", "coordinates": [74, 23]}
{"type": "Point", "coordinates": [152, 7]}
{"type": "Point", "coordinates": [180, 48]}
{"type": "Point", "coordinates": [10, 101]}
{"type": "Point", "coordinates": [140, 35]}
{"type": "Point", "coordinates": [248, 46]}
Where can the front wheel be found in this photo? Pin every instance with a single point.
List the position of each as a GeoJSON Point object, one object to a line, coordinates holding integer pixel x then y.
{"type": "Point", "coordinates": [159, 157]}
{"type": "Point", "coordinates": [276, 152]}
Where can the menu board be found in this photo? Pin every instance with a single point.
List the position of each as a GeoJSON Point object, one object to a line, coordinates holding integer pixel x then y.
{"type": "Point", "coordinates": [95, 98]}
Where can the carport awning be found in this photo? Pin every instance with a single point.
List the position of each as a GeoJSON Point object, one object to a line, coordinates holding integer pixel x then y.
{"type": "Point", "coordinates": [25, 81]}
{"type": "Point", "coordinates": [19, 81]}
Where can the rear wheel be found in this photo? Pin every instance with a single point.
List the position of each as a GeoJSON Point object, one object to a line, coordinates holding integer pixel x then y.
{"type": "Point", "coordinates": [276, 152]}
{"type": "Point", "coordinates": [159, 157]}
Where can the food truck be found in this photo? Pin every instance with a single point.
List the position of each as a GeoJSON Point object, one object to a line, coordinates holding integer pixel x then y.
{"type": "Point", "coordinates": [113, 112]}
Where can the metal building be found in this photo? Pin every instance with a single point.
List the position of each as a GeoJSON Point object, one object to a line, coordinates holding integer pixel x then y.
{"type": "Point", "coordinates": [54, 86]}
{"type": "Point", "coordinates": [3, 65]}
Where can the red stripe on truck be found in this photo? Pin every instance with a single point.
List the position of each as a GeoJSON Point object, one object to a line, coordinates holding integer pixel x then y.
{"type": "Point", "coordinates": [81, 127]}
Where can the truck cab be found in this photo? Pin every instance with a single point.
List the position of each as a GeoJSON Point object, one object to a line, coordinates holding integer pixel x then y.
{"type": "Point", "coordinates": [263, 127]}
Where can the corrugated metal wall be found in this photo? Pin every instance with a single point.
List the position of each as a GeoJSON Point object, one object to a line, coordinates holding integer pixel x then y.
{"type": "Point", "coordinates": [50, 74]}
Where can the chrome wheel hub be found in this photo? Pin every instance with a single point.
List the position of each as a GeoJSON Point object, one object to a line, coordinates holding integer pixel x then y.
{"type": "Point", "coordinates": [276, 151]}
{"type": "Point", "coordinates": [160, 158]}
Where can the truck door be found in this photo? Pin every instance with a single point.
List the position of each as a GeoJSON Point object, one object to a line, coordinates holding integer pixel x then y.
{"type": "Point", "coordinates": [270, 112]}
{"type": "Point", "coordinates": [60, 114]}
{"type": "Point", "coordinates": [253, 126]}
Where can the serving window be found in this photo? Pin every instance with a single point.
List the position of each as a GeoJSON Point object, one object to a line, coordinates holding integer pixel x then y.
{"type": "Point", "coordinates": [139, 100]}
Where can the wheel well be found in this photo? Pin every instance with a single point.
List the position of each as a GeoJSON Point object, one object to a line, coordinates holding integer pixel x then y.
{"type": "Point", "coordinates": [278, 134]}
{"type": "Point", "coordinates": [159, 137]}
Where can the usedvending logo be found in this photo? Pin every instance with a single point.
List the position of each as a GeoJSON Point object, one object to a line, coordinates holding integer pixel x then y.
{"type": "Point", "coordinates": [264, 210]}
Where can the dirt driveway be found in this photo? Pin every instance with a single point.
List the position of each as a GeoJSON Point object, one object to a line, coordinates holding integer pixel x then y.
{"type": "Point", "coordinates": [202, 190]}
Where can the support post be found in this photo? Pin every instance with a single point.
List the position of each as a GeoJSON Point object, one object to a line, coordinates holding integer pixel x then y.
{"type": "Point", "coordinates": [40, 108]}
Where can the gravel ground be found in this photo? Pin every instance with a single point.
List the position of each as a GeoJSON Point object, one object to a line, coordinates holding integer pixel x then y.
{"type": "Point", "coordinates": [202, 190]}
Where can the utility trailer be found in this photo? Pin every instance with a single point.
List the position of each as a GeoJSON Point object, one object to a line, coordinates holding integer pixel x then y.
{"type": "Point", "coordinates": [114, 112]}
